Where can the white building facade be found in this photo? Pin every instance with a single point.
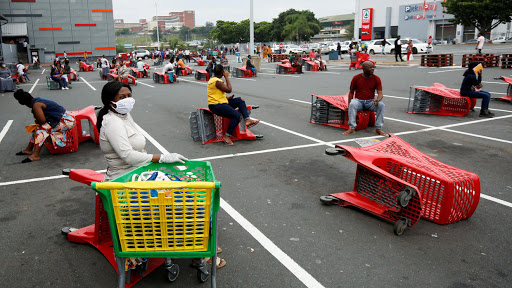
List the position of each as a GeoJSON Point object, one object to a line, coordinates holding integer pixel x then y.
{"type": "Point", "coordinates": [411, 18]}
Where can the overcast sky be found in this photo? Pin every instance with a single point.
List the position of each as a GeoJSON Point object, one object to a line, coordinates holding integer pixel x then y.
{"type": "Point", "coordinates": [229, 10]}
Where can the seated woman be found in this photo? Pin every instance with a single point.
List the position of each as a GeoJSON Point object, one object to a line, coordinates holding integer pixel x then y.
{"type": "Point", "coordinates": [471, 88]}
{"type": "Point", "coordinates": [122, 72]}
{"type": "Point", "coordinates": [121, 141]}
{"type": "Point", "coordinates": [6, 83]}
{"type": "Point", "coordinates": [51, 120]}
{"type": "Point", "coordinates": [295, 62]}
{"type": "Point", "coordinates": [211, 66]}
{"type": "Point", "coordinates": [57, 76]}
{"type": "Point", "coordinates": [224, 62]}
{"type": "Point", "coordinates": [224, 106]}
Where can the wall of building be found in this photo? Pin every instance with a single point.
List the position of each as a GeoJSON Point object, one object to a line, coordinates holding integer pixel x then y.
{"type": "Point", "coordinates": [407, 16]}
{"type": "Point", "coordinates": [65, 25]}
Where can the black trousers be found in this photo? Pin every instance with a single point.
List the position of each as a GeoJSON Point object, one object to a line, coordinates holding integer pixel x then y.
{"type": "Point", "coordinates": [398, 52]}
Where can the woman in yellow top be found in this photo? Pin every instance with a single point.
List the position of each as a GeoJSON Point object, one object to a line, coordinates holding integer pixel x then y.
{"type": "Point", "coordinates": [264, 52]}
{"type": "Point", "coordinates": [224, 106]}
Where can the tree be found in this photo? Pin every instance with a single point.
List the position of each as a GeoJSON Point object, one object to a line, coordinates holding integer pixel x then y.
{"type": "Point", "coordinates": [263, 32]}
{"type": "Point", "coordinates": [224, 32]}
{"type": "Point", "coordinates": [480, 13]}
{"type": "Point", "coordinates": [349, 31]}
{"type": "Point", "coordinates": [124, 31]}
{"type": "Point", "coordinates": [279, 23]}
{"type": "Point", "coordinates": [153, 35]}
{"type": "Point", "coordinates": [184, 33]}
{"type": "Point", "coordinates": [298, 27]}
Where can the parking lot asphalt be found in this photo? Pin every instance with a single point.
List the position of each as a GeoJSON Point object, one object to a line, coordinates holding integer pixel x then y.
{"type": "Point", "coordinates": [273, 230]}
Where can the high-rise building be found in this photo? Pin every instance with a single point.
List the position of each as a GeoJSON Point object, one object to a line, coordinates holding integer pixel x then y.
{"type": "Point", "coordinates": [49, 28]}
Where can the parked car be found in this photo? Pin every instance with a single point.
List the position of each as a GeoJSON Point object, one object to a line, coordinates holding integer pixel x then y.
{"type": "Point", "coordinates": [363, 44]}
{"type": "Point", "coordinates": [142, 54]}
{"type": "Point", "coordinates": [501, 39]}
{"type": "Point", "coordinates": [471, 41]}
{"type": "Point", "coordinates": [375, 47]}
{"type": "Point", "coordinates": [333, 46]}
{"type": "Point", "coordinates": [291, 48]}
{"type": "Point", "coordinates": [417, 46]}
{"type": "Point", "coordinates": [345, 46]}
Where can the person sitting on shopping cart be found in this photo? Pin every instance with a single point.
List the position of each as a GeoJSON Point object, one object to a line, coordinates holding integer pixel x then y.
{"type": "Point", "coordinates": [122, 72]}
{"type": "Point", "coordinates": [224, 106]}
{"type": "Point", "coordinates": [364, 86]}
{"type": "Point", "coordinates": [52, 120]}
{"type": "Point", "coordinates": [121, 141]}
{"type": "Point", "coordinates": [471, 87]}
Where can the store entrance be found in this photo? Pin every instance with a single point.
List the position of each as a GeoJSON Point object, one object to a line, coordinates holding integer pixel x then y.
{"type": "Point", "coordinates": [446, 32]}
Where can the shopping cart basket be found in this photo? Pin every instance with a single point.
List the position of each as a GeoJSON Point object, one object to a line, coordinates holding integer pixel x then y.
{"type": "Point", "coordinates": [179, 223]}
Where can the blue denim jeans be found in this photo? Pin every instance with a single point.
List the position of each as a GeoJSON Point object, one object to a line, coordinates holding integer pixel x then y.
{"type": "Point", "coordinates": [254, 70]}
{"type": "Point", "coordinates": [486, 97]}
{"type": "Point", "coordinates": [357, 105]}
{"type": "Point", "coordinates": [228, 111]}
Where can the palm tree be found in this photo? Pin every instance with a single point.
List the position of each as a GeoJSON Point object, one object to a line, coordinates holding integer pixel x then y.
{"type": "Point", "coordinates": [298, 24]}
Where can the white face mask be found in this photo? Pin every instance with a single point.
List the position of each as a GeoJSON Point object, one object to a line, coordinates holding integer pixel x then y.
{"type": "Point", "coordinates": [124, 106]}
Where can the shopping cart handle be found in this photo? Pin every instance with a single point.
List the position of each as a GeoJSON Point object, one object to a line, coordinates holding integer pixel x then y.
{"type": "Point", "coordinates": [152, 185]}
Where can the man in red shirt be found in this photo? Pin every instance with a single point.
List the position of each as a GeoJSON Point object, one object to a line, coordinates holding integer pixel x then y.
{"type": "Point", "coordinates": [364, 86]}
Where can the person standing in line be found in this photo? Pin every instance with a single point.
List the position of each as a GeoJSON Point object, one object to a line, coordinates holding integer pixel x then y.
{"type": "Point", "coordinates": [384, 41]}
{"type": "Point", "coordinates": [65, 55]}
{"type": "Point", "coordinates": [480, 43]}
{"type": "Point", "coordinates": [398, 49]}
{"type": "Point", "coordinates": [338, 48]}
{"type": "Point", "coordinates": [105, 68]}
{"type": "Point", "coordinates": [409, 49]}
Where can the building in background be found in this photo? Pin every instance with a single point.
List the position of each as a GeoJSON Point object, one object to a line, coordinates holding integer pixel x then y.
{"type": "Point", "coordinates": [3, 21]}
{"type": "Point", "coordinates": [142, 26]}
{"type": "Point", "coordinates": [375, 19]}
{"type": "Point", "coordinates": [333, 28]}
{"type": "Point", "coordinates": [187, 17]}
{"type": "Point", "coordinates": [51, 27]}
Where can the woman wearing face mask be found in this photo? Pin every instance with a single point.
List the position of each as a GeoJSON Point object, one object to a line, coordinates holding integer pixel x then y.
{"type": "Point", "coordinates": [121, 142]}
{"type": "Point", "coordinates": [51, 120]}
{"type": "Point", "coordinates": [6, 83]}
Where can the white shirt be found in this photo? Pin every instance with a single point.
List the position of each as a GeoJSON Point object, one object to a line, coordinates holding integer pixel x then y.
{"type": "Point", "coordinates": [34, 59]}
{"type": "Point", "coordinates": [168, 67]}
{"type": "Point", "coordinates": [187, 52]}
{"type": "Point", "coordinates": [140, 65]}
{"type": "Point", "coordinates": [20, 68]}
{"type": "Point", "coordinates": [481, 41]}
{"type": "Point", "coordinates": [104, 63]}
{"type": "Point", "coordinates": [65, 55]}
{"type": "Point", "coordinates": [122, 144]}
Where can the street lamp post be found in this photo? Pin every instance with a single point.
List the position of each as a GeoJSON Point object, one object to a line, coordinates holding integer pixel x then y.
{"type": "Point", "coordinates": [157, 33]}
{"type": "Point", "coordinates": [251, 31]}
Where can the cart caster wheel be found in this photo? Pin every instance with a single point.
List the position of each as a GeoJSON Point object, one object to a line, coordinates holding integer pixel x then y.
{"type": "Point", "coordinates": [174, 271]}
{"type": "Point", "coordinates": [404, 197]}
{"type": "Point", "coordinates": [259, 136]}
{"type": "Point", "coordinates": [400, 226]}
{"type": "Point", "coordinates": [335, 151]}
{"type": "Point", "coordinates": [67, 230]}
{"type": "Point", "coordinates": [329, 200]}
{"type": "Point", "coordinates": [203, 277]}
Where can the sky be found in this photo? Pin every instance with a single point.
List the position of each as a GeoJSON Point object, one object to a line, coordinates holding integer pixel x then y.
{"type": "Point", "coordinates": [229, 10]}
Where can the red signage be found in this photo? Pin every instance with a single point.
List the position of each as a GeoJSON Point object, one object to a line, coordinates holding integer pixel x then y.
{"type": "Point", "coordinates": [337, 23]}
{"type": "Point", "coordinates": [366, 24]}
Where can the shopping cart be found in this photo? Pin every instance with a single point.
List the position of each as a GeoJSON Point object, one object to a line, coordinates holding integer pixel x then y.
{"type": "Point", "coordinates": [509, 88]}
{"type": "Point", "coordinates": [399, 183]}
{"type": "Point", "coordinates": [181, 222]}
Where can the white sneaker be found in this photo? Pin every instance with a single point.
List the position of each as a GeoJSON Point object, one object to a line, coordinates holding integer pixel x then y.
{"type": "Point", "coordinates": [66, 88]}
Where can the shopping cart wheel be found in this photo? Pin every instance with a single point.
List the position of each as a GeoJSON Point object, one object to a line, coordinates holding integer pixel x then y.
{"type": "Point", "coordinates": [329, 200]}
{"type": "Point", "coordinates": [400, 226]}
{"type": "Point", "coordinates": [67, 230]}
{"type": "Point", "coordinates": [174, 271]}
{"type": "Point", "coordinates": [335, 151]}
{"type": "Point", "coordinates": [202, 274]}
{"type": "Point", "coordinates": [405, 196]}
{"type": "Point", "coordinates": [258, 136]}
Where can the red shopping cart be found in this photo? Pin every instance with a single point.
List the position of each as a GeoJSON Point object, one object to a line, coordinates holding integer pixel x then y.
{"type": "Point", "coordinates": [399, 183]}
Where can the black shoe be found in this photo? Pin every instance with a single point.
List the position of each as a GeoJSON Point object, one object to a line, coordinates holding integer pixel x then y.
{"type": "Point", "coordinates": [486, 113]}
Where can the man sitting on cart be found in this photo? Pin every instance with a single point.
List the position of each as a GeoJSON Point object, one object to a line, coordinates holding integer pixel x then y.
{"type": "Point", "coordinates": [364, 86]}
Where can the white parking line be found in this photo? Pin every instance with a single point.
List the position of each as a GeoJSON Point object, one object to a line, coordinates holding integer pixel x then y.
{"type": "Point", "coordinates": [146, 84]}
{"type": "Point", "coordinates": [491, 82]}
{"type": "Point", "coordinates": [33, 86]}
{"type": "Point", "coordinates": [284, 75]}
{"type": "Point", "coordinates": [43, 71]}
{"type": "Point", "coordinates": [242, 79]}
{"type": "Point", "coordinates": [282, 257]}
{"type": "Point", "coordinates": [322, 72]}
{"type": "Point", "coordinates": [4, 131]}
{"type": "Point", "coordinates": [445, 71]}
{"type": "Point", "coordinates": [88, 83]}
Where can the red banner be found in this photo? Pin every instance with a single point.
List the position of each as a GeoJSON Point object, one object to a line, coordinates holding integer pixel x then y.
{"type": "Point", "coordinates": [366, 24]}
